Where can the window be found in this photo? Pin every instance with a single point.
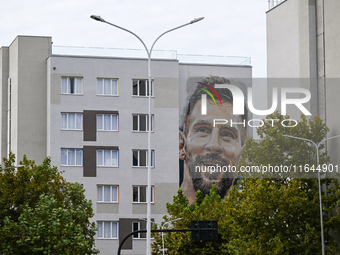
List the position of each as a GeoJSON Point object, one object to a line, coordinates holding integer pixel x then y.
{"type": "Point", "coordinates": [140, 158]}
{"type": "Point", "coordinates": [107, 87]}
{"type": "Point", "coordinates": [107, 157]}
{"type": "Point", "coordinates": [71, 157]}
{"type": "Point", "coordinates": [140, 122]}
{"type": "Point", "coordinates": [71, 85]}
{"type": "Point", "coordinates": [141, 225]}
{"type": "Point", "coordinates": [107, 122]}
{"type": "Point", "coordinates": [72, 121]}
{"type": "Point", "coordinates": [107, 193]}
{"type": "Point", "coordinates": [141, 87]}
{"type": "Point", "coordinates": [107, 229]}
{"type": "Point", "coordinates": [139, 194]}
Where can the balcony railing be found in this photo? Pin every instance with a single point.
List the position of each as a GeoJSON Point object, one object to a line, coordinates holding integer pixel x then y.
{"type": "Point", "coordinates": [273, 3]}
{"type": "Point", "coordinates": [156, 54]}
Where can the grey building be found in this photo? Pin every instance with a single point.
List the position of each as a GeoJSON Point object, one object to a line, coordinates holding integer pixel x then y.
{"type": "Point", "coordinates": [89, 113]}
{"type": "Point", "coordinates": [302, 48]}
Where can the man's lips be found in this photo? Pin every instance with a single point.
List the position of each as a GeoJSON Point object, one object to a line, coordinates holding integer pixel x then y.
{"type": "Point", "coordinates": [213, 163]}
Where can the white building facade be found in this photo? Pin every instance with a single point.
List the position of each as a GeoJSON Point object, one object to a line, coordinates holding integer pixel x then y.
{"type": "Point", "coordinates": [89, 113]}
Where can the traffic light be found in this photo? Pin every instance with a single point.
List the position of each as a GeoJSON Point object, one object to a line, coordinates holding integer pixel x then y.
{"type": "Point", "coordinates": [204, 230]}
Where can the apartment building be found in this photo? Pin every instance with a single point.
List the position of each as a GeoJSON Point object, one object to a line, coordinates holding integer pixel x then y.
{"type": "Point", "coordinates": [89, 113]}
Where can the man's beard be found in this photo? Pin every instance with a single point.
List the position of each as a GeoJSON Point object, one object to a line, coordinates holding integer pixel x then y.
{"type": "Point", "coordinates": [205, 181]}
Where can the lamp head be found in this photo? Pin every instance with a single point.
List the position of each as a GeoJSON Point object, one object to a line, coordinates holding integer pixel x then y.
{"type": "Point", "coordinates": [196, 20]}
{"type": "Point", "coordinates": [97, 17]}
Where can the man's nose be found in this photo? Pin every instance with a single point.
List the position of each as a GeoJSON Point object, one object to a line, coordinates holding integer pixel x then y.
{"type": "Point", "coordinates": [213, 146]}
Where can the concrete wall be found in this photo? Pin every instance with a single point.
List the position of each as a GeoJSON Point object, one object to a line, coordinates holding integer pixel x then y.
{"type": "Point", "coordinates": [27, 70]}
{"type": "Point", "coordinates": [4, 75]}
{"type": "Point", "coordinates": [332, 74]}
{"type": "Point", "coordinates": [302, 42]}
{"type": "Point", "coordinates": [291, 50]}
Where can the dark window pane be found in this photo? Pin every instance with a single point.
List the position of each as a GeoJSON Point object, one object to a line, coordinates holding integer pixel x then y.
{"type": "Point", "coordinates": [135, 158]}
{"type": "Point", "coordinates": [152, 158]}
{"type": "Point", "coordinates": [142, 122]}
{"type": "Point", "coordinates": [151, 193]}
{"type": "Point", "coordinates": [142, 88]}
{"type": "Point", "coordinates": [142, 195]}
{"type": "Point", "coordinates": [135, 122]}
{"type": "Point", "coordinates": [142, 158]}
{"type": "Point", "coordinates": [135, 227]}
{"type": "Point", "coordinates": [135, 194]}
{"type": "Point", "coordinates": [143, 226]}
{"type": "Point", "coordinates": [135, 88]}
{"type": "Point", "coordinates": [72, 85]}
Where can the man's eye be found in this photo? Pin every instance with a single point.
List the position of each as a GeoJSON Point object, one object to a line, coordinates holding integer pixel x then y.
{"type": "Point", "coordinates": [228, 134]}
{"type": "Point", "coordinates": [203, 129]}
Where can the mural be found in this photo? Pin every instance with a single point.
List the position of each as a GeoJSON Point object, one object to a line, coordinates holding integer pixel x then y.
{"type": "Point", "coordinates": [203, 146]}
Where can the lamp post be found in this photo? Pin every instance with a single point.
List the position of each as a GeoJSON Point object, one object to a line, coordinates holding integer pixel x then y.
{"type": "Point", "coordinates": [162, 227]}
{"type": "Point", "coordinates": [319, 179]}
{"type": "Point", "coordinates": [149, 52]}
{"type": "Point", "coordinates": [12, 167]}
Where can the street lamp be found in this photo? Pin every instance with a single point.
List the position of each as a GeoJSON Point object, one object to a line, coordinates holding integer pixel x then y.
{"type": "Point", "coordinates": [162, 227]}
{"type": "Point", "coordinates": [12, 167]}
{"type": "Point", "coordinates": [149, 52]}
{"type": "Point", "coordinates": [319, 179]}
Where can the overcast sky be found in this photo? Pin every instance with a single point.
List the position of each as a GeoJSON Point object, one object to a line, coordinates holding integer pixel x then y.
{"type": "Point", "coordinates": [230, 28]}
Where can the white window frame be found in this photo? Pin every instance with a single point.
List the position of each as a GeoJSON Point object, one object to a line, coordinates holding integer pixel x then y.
{"type": "Point", "coordinates": [138, 82]}
{"type": "Point", "coordinates": [101, 82]}
{"type": "Point", "coordinates": [137, 117]}
{"type": "Point", "coordinates": [67, 114]}
{"type": "Point", "coordinates": [104, 153]}
{"type": "Point", "coordinates": [146, 159]}
{"type": "Point", "coordinates": [102, 228]}
{"type": "Point", "coordinates": [138, 193]}
{"type": "Point", "coordinates": [102, 124]}
{"type": "Point", "coordinates": [66, 87]}
{"type": "Point", "coordinates": [76, 157]}
{"type": "Point", "coordinates": [101, 197]}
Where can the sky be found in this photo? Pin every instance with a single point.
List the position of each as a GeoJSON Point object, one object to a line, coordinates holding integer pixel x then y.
{"type": "Point", "coordinates": [229, 28]}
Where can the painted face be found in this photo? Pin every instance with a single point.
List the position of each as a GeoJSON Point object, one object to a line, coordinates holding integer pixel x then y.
{"type": "Point", "coordinates": [209, 146]}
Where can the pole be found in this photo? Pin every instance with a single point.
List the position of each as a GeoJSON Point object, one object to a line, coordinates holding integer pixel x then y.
{"type": "Point", "coordinates": [149, 52]}
{"type": "Point", "coordinates": [320, 199]}
{"type": "Point", "coordinates": [12, 167]}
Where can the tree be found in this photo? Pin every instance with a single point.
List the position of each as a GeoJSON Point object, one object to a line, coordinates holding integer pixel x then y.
{"type": "Point", "coordinates": [181, 214]}
{"type": "Point", "coordinates": [280, 214]}
{"type": "Point", "coordinates": [272, 213]}
{"type": "Point", "coordinates": [42, 213]}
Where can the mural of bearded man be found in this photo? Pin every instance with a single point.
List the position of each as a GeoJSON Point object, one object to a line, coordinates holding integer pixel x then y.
{"type": "Point", "coordinates": [202, 146]}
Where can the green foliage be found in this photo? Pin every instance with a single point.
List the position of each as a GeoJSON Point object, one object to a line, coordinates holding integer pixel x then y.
{"type": "Point", "coordinates": [41, 213]}
{"type": "Point", "coordinates": [282, 215]}
{"type": "Point", "coordinates": [277, 215]}
{"type": "Point", "coordinates": [275, 149]}
{"type": "Point", "coordinates": [181, 215]}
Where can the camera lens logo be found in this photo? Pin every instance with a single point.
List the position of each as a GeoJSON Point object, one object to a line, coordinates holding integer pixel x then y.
{"type": "Point", "coordinates": [238, 99]}
{"type": "Point", "coordinates": [204, 97]}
